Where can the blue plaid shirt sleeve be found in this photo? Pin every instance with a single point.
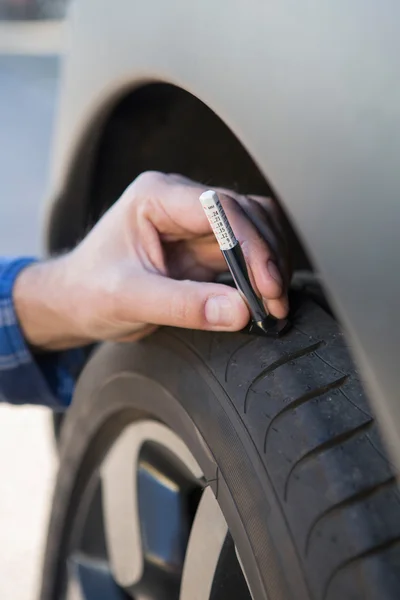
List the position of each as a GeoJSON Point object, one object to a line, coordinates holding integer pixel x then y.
{"type": "Point", "coordinates": [47, 378]}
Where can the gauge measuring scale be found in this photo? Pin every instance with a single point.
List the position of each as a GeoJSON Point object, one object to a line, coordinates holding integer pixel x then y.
{"type": "Point", "coordinates": [235, 260]}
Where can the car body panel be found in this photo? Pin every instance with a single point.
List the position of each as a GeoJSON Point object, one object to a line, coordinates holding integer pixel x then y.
{"type": "Point", "coordinates": [312, 90]}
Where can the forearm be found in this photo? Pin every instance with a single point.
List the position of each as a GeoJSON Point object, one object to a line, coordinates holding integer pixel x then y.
{"type": "Point", "coordinates": [27, 376]}
{"type": "Point", "coordinates": [45, 307]}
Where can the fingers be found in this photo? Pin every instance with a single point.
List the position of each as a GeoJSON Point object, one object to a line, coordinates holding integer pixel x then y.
{"type": "Point", "coordinates": [269, 220]}
{"type": "Point", "coordinates": [157, 300]}
{"type": "Point", "coordinates": [171, 204]}
{"type": "Point", "coordinates": [263, 269]}
{"type": "Point", "coordinates": [137, 334]}
{"type": "Point", "coordinates": [272, 225]}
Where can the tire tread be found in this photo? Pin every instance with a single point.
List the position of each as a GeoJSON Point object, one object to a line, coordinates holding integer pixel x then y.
{"type": "Point", "coordinates": [259, 373]}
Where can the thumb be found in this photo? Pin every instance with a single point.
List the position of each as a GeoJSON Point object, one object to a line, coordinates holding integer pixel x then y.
{"type": "Point", "coordinates": [195, 305]}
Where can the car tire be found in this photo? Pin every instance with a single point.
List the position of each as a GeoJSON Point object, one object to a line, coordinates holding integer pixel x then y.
{"type": "Point", "coordinates": [286, 440]}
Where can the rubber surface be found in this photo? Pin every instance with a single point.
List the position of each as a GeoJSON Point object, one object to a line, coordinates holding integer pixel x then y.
{"type": "Point", "coordinates": [285, 436]}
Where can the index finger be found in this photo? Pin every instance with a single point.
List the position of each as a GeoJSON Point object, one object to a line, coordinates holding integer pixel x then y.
{"type": "Point", "coordinates": [171, 204]}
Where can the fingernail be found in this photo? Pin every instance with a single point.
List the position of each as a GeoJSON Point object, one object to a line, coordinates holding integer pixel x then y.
{"type": "Point", "coordinates": [274, 272]}
{"type": "Point", "coordinates": [219, 311]}
{"type": "Point", "coordinates": [277, 308]}
{"type": "Point", "coordinates": [265, 302]}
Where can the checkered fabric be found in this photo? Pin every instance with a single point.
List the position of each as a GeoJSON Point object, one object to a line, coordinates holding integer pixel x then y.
{"type": "Point", "coordinates": [45, 378]}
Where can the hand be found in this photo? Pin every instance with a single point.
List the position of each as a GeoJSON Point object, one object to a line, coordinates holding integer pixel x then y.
{"type": "Point", "coordinates": [151, 260]}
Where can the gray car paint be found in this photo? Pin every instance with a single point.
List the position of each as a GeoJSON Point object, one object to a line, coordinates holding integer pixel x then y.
{"type": "Point", "coordinates": [312, 90]}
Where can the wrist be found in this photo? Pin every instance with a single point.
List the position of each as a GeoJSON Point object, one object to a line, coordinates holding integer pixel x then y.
{"type": "Point", "coordinates": [44, 307]}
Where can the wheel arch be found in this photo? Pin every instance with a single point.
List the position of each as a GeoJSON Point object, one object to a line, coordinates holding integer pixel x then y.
{"type": "Point", "coordinates": [171, 130]}
{"type": "Point", "coordinates": [312, 110]}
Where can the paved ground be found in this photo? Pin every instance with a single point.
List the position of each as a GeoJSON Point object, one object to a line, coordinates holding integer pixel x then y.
{"type": "Point", "coordinates": [28, 88]}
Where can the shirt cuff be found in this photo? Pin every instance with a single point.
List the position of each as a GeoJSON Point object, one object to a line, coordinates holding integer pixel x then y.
{"type": "Point", "coordinates": [47, 378]}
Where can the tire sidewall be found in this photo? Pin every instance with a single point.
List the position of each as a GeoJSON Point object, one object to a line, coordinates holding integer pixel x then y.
{"type": "Point", "coordinates": [160, 379]}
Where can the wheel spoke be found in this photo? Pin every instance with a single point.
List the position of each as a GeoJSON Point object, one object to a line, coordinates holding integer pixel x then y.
{"type": "Point", "coordinates": [144, 508]}
{"type": "Point", "coordinates": [143, 533]}
{"type": "Point", "coordinates": [207, 538]}
{"type": "Point", "coordinates": [164, 519]}
{"type": "Point", "coordinates": [90, 579]}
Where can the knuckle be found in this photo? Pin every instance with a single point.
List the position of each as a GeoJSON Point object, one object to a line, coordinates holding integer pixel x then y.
{"type": "Point", "coordinates": [142, 210]}
{"type": "Point", "coordinates": [147, 180]}
{"type": "Point", "coordinates": [184, 306]}
{"type": "Point", "coordinates": [264, 201]}
{"type": "Point", "coordinates": [143, 191]}
{"type": "Point", "coordinates": [228, 202]}
{"type": "Point", "coordinates": [246, 249]}
{"type": "Point", "coordinates": [113, 289]}
{"type": "Point", "coordinates": [176, 177]}
{"type": "Point", "coordinates": [113, 298]}
{"type": "Point", "coordinates": [231, 206]}
{"type": "Point", "coordinates": [255, 249]}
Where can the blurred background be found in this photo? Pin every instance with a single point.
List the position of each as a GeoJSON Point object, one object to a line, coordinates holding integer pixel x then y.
{"type": "Point", "coordinates": [32, 9]}
{"type": "Point", "coordinates": [30, 56]}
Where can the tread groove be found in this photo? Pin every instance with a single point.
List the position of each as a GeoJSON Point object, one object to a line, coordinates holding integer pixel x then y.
{"type": "Point", "coordinates": [329, 364]}
{"type": "Point", "coordinates": [295, 514]}
{"type": "Point", "coordinates": [367, 414]}
{"type": "Point", "coordinates": [358, 497]}
{"type": "Point", "coordinates": [278, 363]}
{"type": "Point", "coordinates": [230, 359]}
{"type": "Point", "coordinates": [331, 443]}
{"type": "Point", "coordinates": [378, 451]}
{"type": "Point", "coordinates": [297, 328]}
{"type": "Point", "coordinates": [323, 389]}
{"type": "Point", "coordinates": [367, 553]}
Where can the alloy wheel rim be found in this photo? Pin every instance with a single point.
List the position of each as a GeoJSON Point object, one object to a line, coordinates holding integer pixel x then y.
{"type": "Point", "coordinates": [159, 531]}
